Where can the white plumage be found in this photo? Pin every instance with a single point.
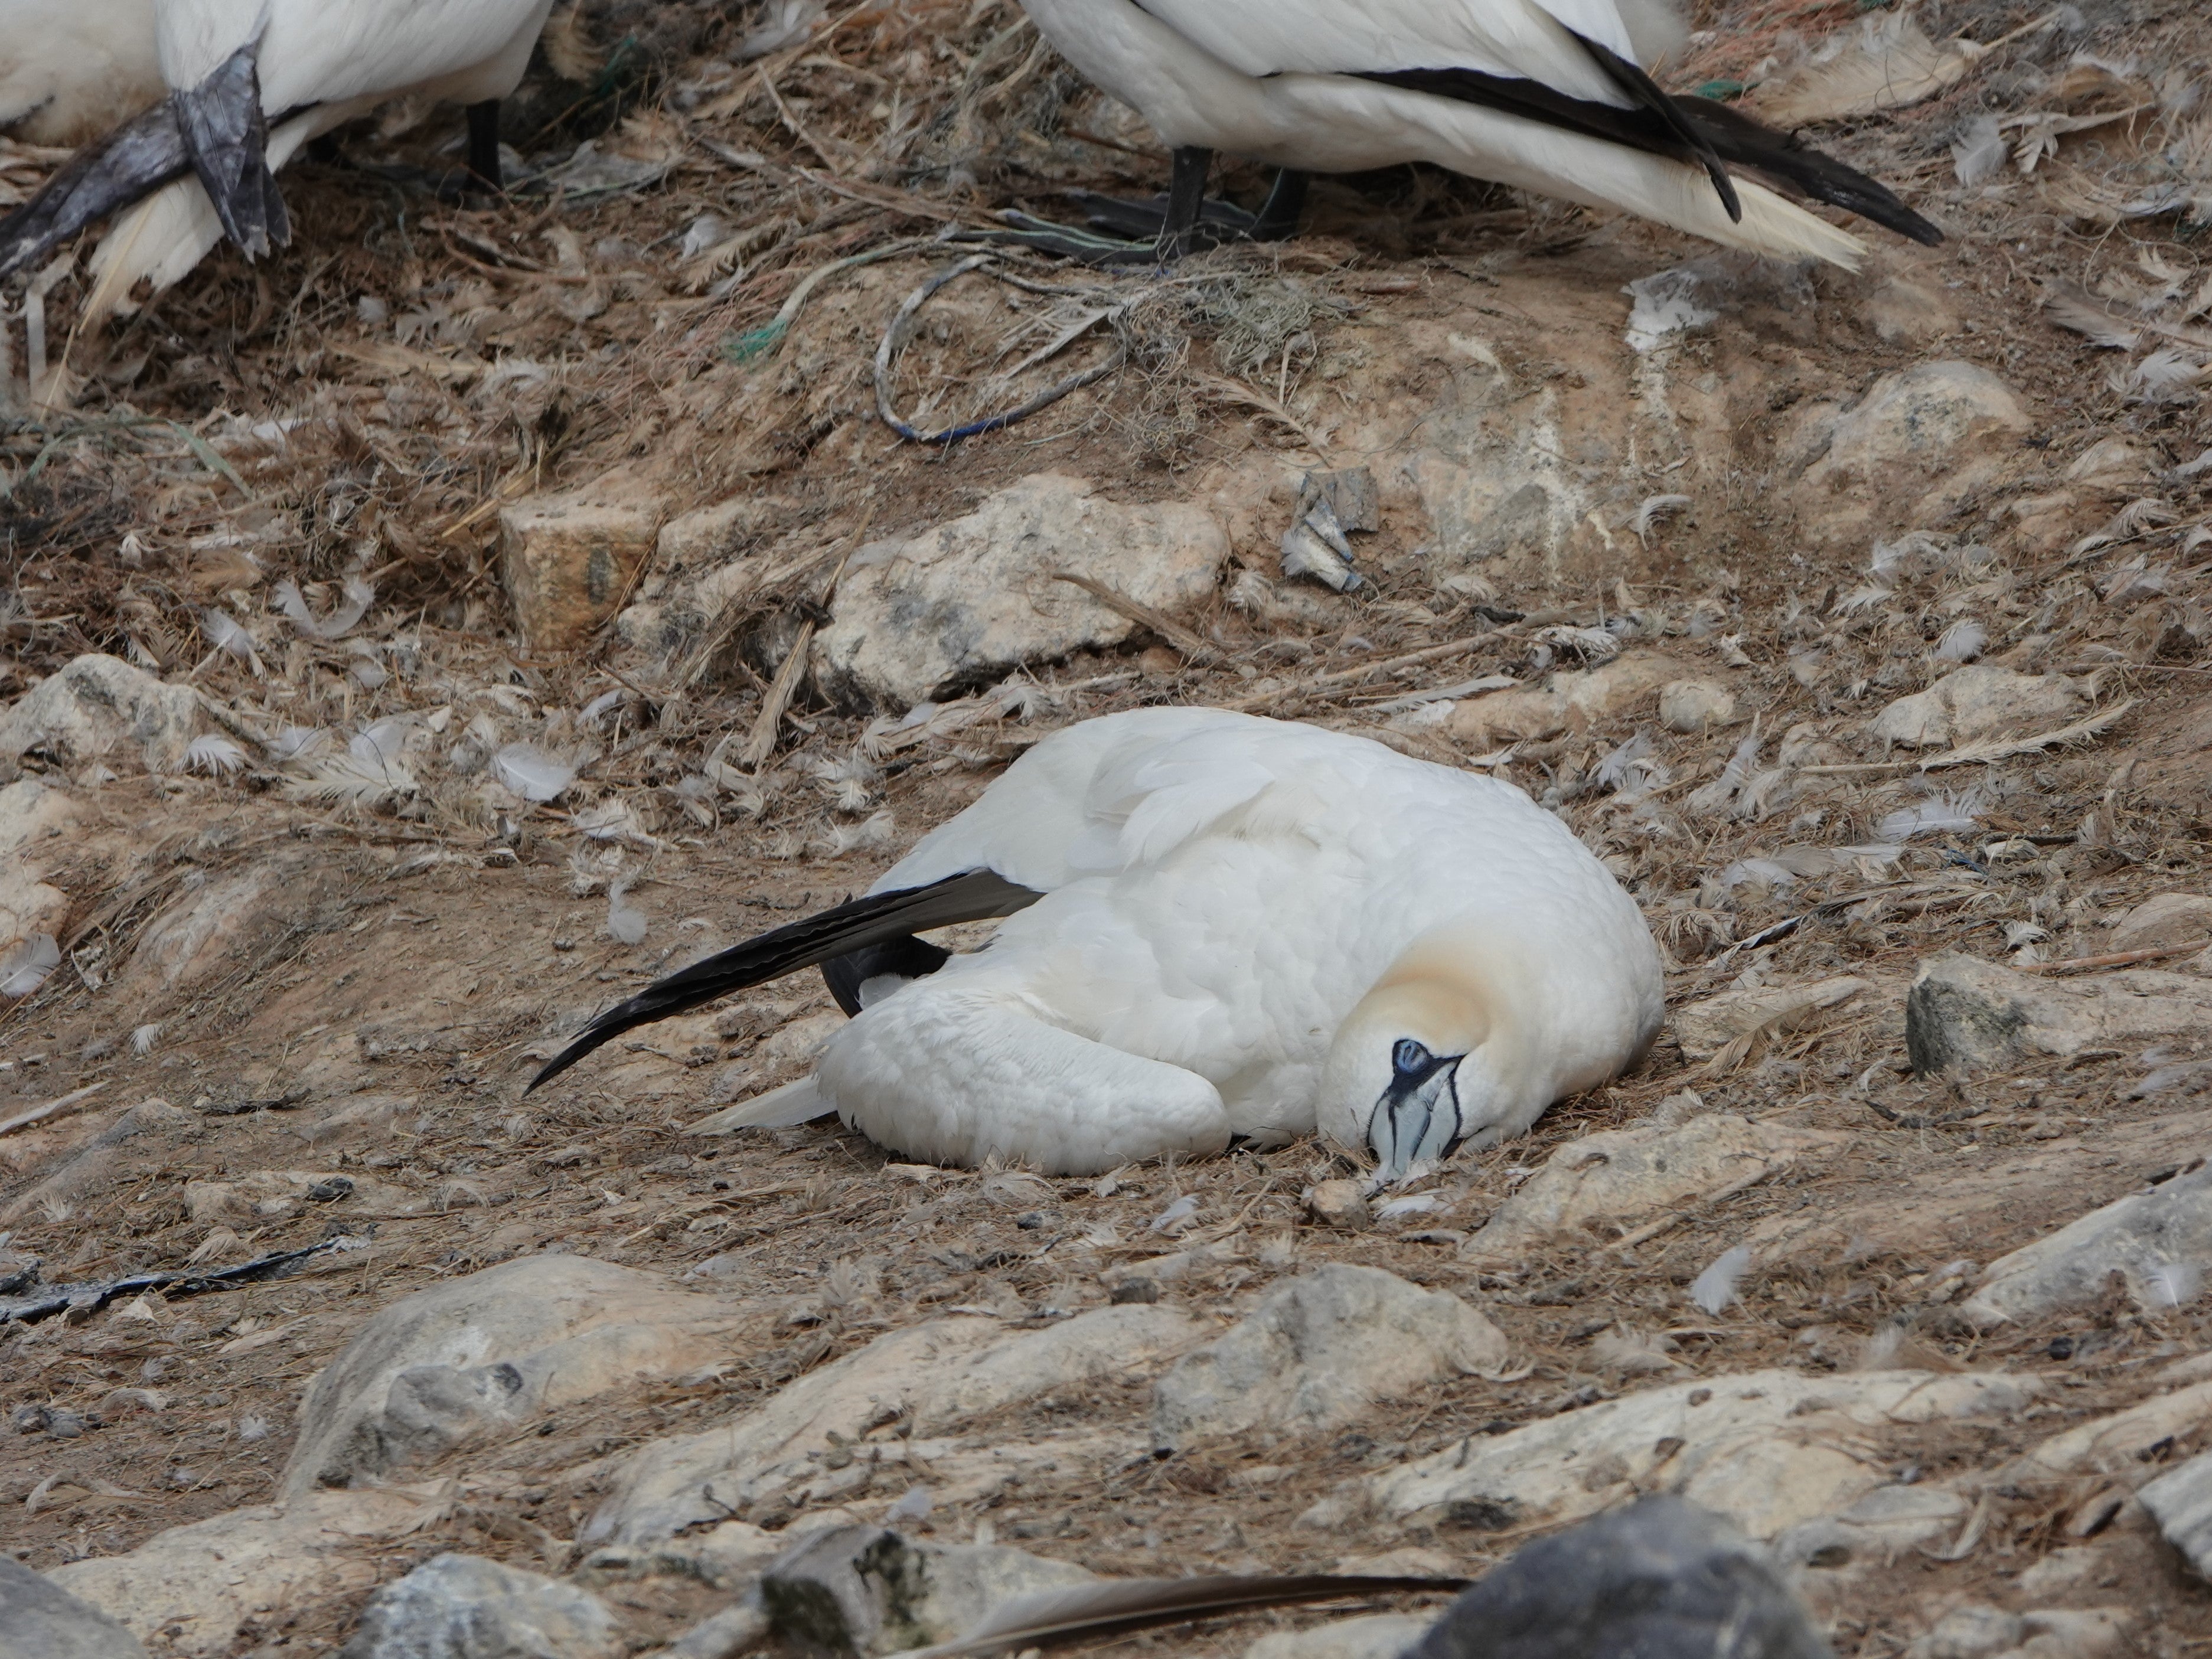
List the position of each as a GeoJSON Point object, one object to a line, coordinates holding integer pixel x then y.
{"type": "Point", "coordinates": [1281, 82]}
{"type": "Point", "coordinates": [321, 63]}
{"type": "Point", "coordinates": [69, 70]}
{"type": "Point", "coordinates": [1248, 928]}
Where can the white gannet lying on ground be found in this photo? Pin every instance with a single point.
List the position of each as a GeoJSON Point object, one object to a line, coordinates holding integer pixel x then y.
{"type": "Point", "coordinates": [1544, 94]}
{"type": "Point", "coordinates": [250, 83]}
{"type": "Point", "coordinates": [69, 70]}
{"type": "Point", "coordinates": [1217, 925]}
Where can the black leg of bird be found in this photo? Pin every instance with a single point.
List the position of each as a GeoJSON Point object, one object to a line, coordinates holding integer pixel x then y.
{"type": "Point", "coordinates": [483, 142]}
{"type": "Point", "coordinates": [1285, 206]}
{"type": "Point", "coordinates": [1186, 196]}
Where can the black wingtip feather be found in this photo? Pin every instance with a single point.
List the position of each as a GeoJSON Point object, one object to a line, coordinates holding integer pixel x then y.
{"type": "Point", "coordinates": [1785, 157]}
{"type": "Point", "coordinates": [877, 918]}
{"type": "Point", "coordinates": [128, 165]}
{"type": "Point", "coordinates": [1632, 80]}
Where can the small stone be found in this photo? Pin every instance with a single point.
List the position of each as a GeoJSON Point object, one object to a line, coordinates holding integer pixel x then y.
{"type": "Point", "coordinates": [1970, 1631]}
{"type": "Point", "coordinates": [1694, 706]}
{"type": "Point", "coordinates": [97, 705]}
{"type": "Point", "coordinates": [2160, 1241]}
{"type": "Point", "coordinates": [1660, 1578]}
{"type": "Point", "coordinates": [64, 1425]}
{"type": "Point", "coordinates": [1318, 1352]}
{"type": "Point", "coordinates": [39, 1620]}
{"type": "Point", "coordinates": [569, 560]}
{"type": "Point", "coordinates": [1351, 493]}
{"type": "Point", "coordinates": [1135, 1288]}
{"type": "Point", "coordinates": [868, 1590]}
{"type": "Point", "coordinates": [1339, 1204]}
{"type": "Point", "coordinates": [1564, 699]}
{"type": "Point", "coordinates": [1706, 1027]}
{"type": "Point", "coordinates": [462, 1607]}
{"type": "Point", "coordinates": [1924, 414]}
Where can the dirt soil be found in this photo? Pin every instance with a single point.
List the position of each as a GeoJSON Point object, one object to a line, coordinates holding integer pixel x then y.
{"type": "Point", "coordinates": [343, 993]}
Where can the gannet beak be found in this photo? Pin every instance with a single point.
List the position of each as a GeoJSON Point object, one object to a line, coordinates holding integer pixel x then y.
{"type": "Point", "coordinates": [1417, 1119]}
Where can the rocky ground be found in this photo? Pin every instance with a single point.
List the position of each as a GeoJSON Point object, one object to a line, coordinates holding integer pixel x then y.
{"type": "Point", "coordinates": [420, 640]}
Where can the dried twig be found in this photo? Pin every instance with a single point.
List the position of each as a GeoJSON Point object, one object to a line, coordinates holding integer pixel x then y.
{"type": "Point", "coordinates": [1167, 628]}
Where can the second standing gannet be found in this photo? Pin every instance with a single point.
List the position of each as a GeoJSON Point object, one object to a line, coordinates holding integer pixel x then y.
{"type": "Point", "coordinates": [1217, 925]}
{"type": "Point", "coordinates": [1546, 95]}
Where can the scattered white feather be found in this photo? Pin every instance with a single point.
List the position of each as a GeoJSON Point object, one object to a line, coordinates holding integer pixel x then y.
{"type": "Point", "coordinates": [26, 965]}
{"type": "Point", "coordinates": [531, 772]}
{"type": "Point", "coordinates": [1654, 508]}
{"type": "Point", "coordinates": [1879, 1351]}
{"type": "Point", "coordinates": [779, 24]}
{"type": "Point", "coordinates": [2174, 1284]}
{"type": "Point", "coordinates": [1962, 641]}
{"type": "Point", "coordinates": [1711, 800]}
{"type": "Point", "coordinates": [1176, 1214]}
{"type": "Point", "coordinates": [382, 740]}
{"type": "Point", "coordinates": [142, 1038]}
{"type": "Point", "coordinates": [1632, 769]}
{"type": "Point", "coordinates": [299, 742]}
{"type": "Point", "coordinates": [1715, 1288]}
{"type": "Point", "coordinates": [1591, 645]}
{"type": "Point", "coordinates": [2163, 376]}
{"type": "Point", "coordinates": [1939, 814]}
{"type": "Point", "coordinates": [353, 778]}
{"type": "Point", "coordinates": [596, 709]}
{"type": "Point", "coordinates": [215, 754]}
{"type": "Point", "coordinates": [1665, 305]}
{"type": "Point", "coordinates": [913, 1504]}
{"type": "Point", "coordinates": [342, 621]}
{"type": "Point", "coordinates": [366, 674]}
{"type": "Point", "coordinates": [871, 832]}
{"type": "Point", "coordinates": [1412, 1204]}
{"type": "Point", "coordinates": [252, 1427]}
{"type": "Point", "coordinates": [625, 921]}
{"type": "Point", "coordinates": [1980, 151]}
{"type": "Point", "coordinates": [227, 636]}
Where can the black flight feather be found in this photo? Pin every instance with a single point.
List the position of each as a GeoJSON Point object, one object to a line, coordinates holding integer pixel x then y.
{"type": "Point", "coordinates": [1630, 77]}
{"type": "Point", "coordinates": [1779, 157]}
{"type": "Point", "coordinates": [226, 134]}
{"type": "Point", "coordinates": [854, 927]}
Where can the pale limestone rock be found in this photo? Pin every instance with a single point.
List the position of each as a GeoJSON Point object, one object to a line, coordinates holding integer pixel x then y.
{"type": "Point", "coordinates": [2074, 1633]}
{"type": "Point", "coordinates": [487, 1352]}
{"type": "Point", "coordinates": [1693, 706]}
{"type": "Point", "coordinates": [1980, 701]}
{"type": "Point", "coordinates": [864, 1591]}
{"type": "Point", "coordinates": [2180, 1501]}
{"type": "Point", "coordinates": [1565, 698]}
{"type": "Point", "coordinates": [1873, 1530]}
{"type": "Point", "coordinates": [34, 819]}
{"type": "Point", "coordinates": [1965, 1014]}
{"type": "Point", "coordinates": [462, 1607]}
{"type": "Point", "coordinates": [725, 1635]}
{"type": "Point", "coordinates": [2118, 1444]}
{"type": "Point", "coordinates": [936, 1375]}
{"type": "Point", "coordinates": [1706, 1027]}
{"type": "Point", "coordinates": [569, 560]}
{"type": "Point", "coordinates": [1919, 416]}
{"type": "Point", "coordinates": [1371, 1636]}
{"type": "Point", "coordinates": [1972, 1630]}
{"type": "Point", "coordinates": [1768, 1449]}
{"type": "Point", "coordinates": [2160, 1241]}
{"type": "Point", "coordinates": [702, 561]}
{"type": "Point", "coordinates": [1339, 1204]}
{"type": "Point", "coordinates": [190, 937]}
{"type": "Point", "coordinates": [2160, 921]}
{"type": "Point", "coordinates": [207, 1577]}
{"type": "Point", "coordinates": [38, 1620]}
{"type": "Point", "coordinates": [1318, 1352]}
{"type": "Point", "coordinates": [1626, 1175]}
{"type": "Point", "coordinates": [967, 601]}
{"type": "Point", "coordinates": [96, 707]}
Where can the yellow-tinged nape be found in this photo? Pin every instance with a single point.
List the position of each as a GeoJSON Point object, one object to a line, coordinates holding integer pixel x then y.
{"type": "Point", "coordinates": [1449, 995]}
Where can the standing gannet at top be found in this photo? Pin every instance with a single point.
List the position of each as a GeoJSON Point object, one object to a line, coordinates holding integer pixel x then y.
{"type": "Point", "coordinates": [69, 70]}
{"type": "Point", "coordinates": [250, 83]}
{"type": "Point", "coordinates": [1216, 925]}
{"type": "Point", "coordinates": [1546, 95]}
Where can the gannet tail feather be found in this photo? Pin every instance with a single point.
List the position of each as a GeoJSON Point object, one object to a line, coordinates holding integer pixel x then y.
{"type": "Point", "coordinates": [226, 133]}
{"type": "Point", "coordinates": [855, 926]}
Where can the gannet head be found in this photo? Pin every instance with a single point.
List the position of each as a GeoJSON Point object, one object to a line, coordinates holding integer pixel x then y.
{"type": "Point", "coordinates": [1425, 1061]}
